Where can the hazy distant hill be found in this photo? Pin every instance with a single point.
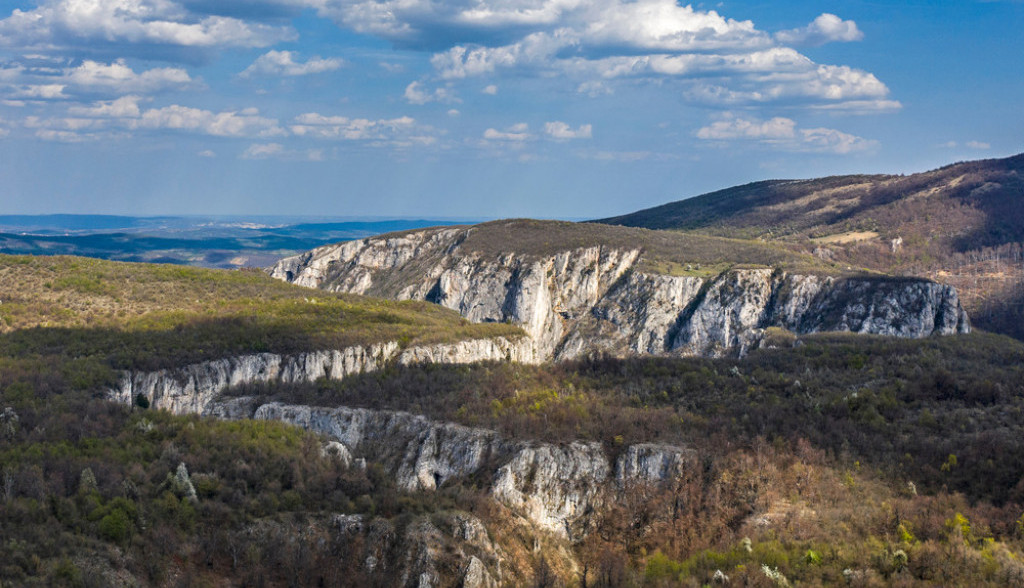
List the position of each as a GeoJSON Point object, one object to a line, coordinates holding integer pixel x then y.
{"type": "Point", "coordinates": [219, 242]}
{"type": "Point", "coordinates": [962, 224]}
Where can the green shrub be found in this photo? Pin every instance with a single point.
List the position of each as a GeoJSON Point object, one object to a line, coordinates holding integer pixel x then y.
{"type": "Point", "coordinates": [115, 527]}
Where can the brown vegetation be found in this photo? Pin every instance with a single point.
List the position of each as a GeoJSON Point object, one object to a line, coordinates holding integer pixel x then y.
{"type": "Point", "coordinates": [952, 224]}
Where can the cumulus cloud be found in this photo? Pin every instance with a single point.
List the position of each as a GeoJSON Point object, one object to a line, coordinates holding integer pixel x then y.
{"type": "Point", "coordinates": [490, 90]}
{"type": "Point", "coordinates": [516, 133]}
{"type": "Point", "coordinates": [401, 131]}
{"type": "Point", "coordinates": [243, 123]}
{"type": "Point", "coordinates": [739, 128]}
{"type": "Point", "coordinates": [73, 129]}
{"type": "Point", "coordinates": [833, 141]}
{"type": "Point", "coordinates": [827, 28]}
{"type": "Point", "coordinates": [118, 76]}
{"type": "Point", "coordinates": [123, 107]}
{"type": "Point", "coordinates": [39, 92]}
{"type": "Point", "coordinates": [155, 22]}
{"type": "Point", "coordinates": [282, 63]}
{"type": "Point", "coordinates": [416, 93]}
{"type": "Point", "coordinates": [596, 43]}
{"type": "Point", "coordinates": [68, 80]}
{"type": "Point", "coordinates": [978, 145]}
{"type": "Point", "coordinates": [119, 118]}
{"type": "Point", "coordinates": [207, 153]}
{"type": "Point", "coordinates": [646, 24]}
{"type": "Point", "coordinates": [561, 131]}
{"type": "Point", "coordinates": [783, 133]}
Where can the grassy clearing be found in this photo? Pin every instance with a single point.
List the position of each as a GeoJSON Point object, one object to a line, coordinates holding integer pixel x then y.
{"type": "Point", "coordinates": [86, 318]}
{"type": "Point", "coordinates": [661, 251]}
{"type": "Point", "coordinates": [847, 237]}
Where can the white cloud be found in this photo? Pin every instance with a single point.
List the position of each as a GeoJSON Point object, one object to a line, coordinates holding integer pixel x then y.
{"type": "Point", "coordinates": [401, 131]}
{"type": "Point", "coordinates": [738, 128]}
{"type": "Point", "coordinates": [860, 106]}
{"type": "Point", "coordinates": [782, 133]}
{"type": "Point", "coordinates": [263, 150]}
{"type": "Point", "coordinates": [283, 63]}
{"type": "Point", "coordinates": [640, 24]}
{"type": "Point", "coordinates": [826, 28]}
{"type": "Point", "coordinates": [594, 88]}
{"type": "Point", "coordinates": [490, 90]}
{"type": "Point", "coordinates": [120, 77]}
{"type": "Point", "coordinates": [717, 60]}
{"type": "Point", "coordinates": [123, 107]}
{"type": "Point", "coordinates": [118, 117]}
{"type": "Point", "coordinates": [39, 92]}
{"type": "Point", "coordinates": [159, 22]}
{"type": "Point", "coordinates": [416, 94]}
{"type": "Point", "coordinates": [73, 129]}
{"type": "Point", "coordinates": [28, 81]}
{"type": "Point", "coordinates": [978, 145]}
{"type": "Point", "coordinates": [243, 123]}
{"type": "Point", "coordinates": [561, 131]}
{"type": "Point", "coordinates": [208, 153]}
{"type": "Point", "coordinates": [278, 151]}
{"type": "Point", "coordinates": [454, 112]}
{"type": "Point", "coordinates": [833, 141]}
{"type": "Point", "coordinates": [516, 133]}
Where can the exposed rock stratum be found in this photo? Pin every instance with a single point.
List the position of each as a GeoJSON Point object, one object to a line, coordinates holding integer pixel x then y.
{"type": "Point", "coordinates": [601, 299]}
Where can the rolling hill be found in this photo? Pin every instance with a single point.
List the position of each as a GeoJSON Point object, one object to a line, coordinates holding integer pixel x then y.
{"type": "Point", "coordinates": [962, 225]}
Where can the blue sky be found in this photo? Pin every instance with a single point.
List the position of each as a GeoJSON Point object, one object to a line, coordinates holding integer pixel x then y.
{"type": "Point", "coordinates": [486, 108]}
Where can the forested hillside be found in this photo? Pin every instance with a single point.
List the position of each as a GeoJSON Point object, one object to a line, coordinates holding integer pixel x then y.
{"type": "Point", "coordinates": [817, 460]}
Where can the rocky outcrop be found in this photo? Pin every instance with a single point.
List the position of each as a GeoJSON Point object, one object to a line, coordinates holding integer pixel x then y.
{"type": "Point", "coordinates": [192, 388]}
{"type": "Point", "coordinates": [555, 487]}
{"type": "Point", "coordinates": [423, 454]}
{"type": "Point", "coordinates": [426, 551]}
{"type": "Point", "coordinates": [600, 299]}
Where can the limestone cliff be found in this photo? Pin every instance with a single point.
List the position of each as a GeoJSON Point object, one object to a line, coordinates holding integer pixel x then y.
{"type": "Point", "coordinates": [555, 487]}
{"type": "Point", "coordinates": [601, 298]}
{"type": "Point", "coordinates": [192, 388]}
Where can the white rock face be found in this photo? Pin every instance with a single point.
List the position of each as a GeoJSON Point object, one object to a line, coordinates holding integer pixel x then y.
{"type": "Point", "coordinates": [597, 299]}
{"type": "Point", "coordinates": [649, 461]}
{"type": "Point", "coordinates": [192, 388]}
{"type": "Point", "coordinates": [429, 550]}
{"type": "Point", "coordinates": [555, 487]}
{"type": "Point", "coordinates": [423, 454]}
{"type": "Point", "coordinates": [477, 575]}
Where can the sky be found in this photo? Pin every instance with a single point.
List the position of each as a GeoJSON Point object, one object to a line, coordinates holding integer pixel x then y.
{"type": "Point", "coordinates": [486, 108]}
